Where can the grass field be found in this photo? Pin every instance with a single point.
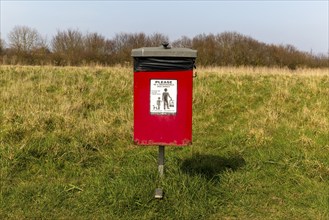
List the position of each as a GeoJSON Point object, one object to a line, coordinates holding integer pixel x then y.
{"type": "Point", "coordinates": [260, 147]}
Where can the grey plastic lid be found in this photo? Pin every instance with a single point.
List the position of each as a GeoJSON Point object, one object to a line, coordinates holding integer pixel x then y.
{"type": "Point", "coordinates": [163, 51]}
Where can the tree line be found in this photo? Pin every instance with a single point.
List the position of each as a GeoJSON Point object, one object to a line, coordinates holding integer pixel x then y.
{"type": "Point", "coordinates": [72, 47]}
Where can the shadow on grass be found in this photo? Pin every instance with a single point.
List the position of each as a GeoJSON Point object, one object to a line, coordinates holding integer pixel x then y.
{"type": "Point", "coordinates": [210, 166]}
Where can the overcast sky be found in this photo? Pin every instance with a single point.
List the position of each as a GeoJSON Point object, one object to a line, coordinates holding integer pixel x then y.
{"type": "Point", "coordinates": [303, 24]}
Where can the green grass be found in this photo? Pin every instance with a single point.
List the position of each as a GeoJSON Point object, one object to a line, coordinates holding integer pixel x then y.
{"type": "Point", "coordinates": [260, 147]}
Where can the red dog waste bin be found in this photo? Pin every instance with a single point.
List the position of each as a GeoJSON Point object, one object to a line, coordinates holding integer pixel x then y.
{"type": "Point", "coordinates": [163, 81]}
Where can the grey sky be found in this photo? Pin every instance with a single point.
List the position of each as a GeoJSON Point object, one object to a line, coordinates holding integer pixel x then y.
{"type": "Point", "coordinates": [303, 24]}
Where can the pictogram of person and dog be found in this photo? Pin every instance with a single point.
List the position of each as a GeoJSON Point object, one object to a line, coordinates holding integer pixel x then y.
{"type": "Point", "coordinates": [165, 99]}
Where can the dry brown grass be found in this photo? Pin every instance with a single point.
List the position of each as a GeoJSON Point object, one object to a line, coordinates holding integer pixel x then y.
{"type": "Point", "coordinates": [66, 148]}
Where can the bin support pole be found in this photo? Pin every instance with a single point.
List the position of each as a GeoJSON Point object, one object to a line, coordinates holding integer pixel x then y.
{"type": "Point", "coordinates": [161, 160]}
{"type": "Point", "coordinates": [159, 191]}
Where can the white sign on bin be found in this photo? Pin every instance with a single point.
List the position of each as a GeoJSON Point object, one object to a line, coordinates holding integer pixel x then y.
{"type": "Point", "coordinates": [163, 96]}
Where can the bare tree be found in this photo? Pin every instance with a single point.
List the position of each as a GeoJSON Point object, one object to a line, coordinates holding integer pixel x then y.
{"type": "Point", "coordinates": [67, 41]}
{"type": "Point", "coordinates": [120, 41]}
{"type": "Point", "coordinates": [95, 43]}
{"type": "Point", "coordinates": [137, 40]}
{"type": "Point", "coordinates": [95, 47]}
{"type": "Point", "coordinates": [184, 41]}
{"type": "Point", "coordinates": [68, 47]}
{"type": "Point", "coordinates": [123, 43]}
{"type": "Point", "coordinates": [23, 39]}
{"type": "Point", "coordinates": [156, 39]}
{"type": "Point", "coordinates": [26, 45]}
{"type": "Point", "coordinates": [2, 45]}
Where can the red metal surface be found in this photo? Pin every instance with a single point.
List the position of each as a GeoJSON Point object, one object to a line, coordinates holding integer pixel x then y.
{"type": "Point", "coordinates": [169, 130]}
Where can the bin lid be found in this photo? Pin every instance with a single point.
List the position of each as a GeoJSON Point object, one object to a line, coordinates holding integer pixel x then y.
{"type": "Point", "coordinates": [163, 51]}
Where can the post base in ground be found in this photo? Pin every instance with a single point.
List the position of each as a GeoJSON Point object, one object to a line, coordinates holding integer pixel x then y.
{"type": "Point", "coordinates": [158, 193]}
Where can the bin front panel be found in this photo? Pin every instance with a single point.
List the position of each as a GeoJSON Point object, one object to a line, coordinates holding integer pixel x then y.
{"type": "Point", "coordinates": [169, 120]}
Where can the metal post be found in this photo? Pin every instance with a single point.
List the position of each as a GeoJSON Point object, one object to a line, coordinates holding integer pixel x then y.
{"type": "Point", "coordinates": [161, 160]}
{"type": "Point", "coordinates": [159, 191]}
